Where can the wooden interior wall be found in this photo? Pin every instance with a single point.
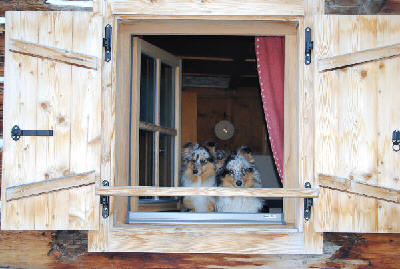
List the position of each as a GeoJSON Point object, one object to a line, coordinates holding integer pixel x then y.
{"type": "Point", "coordinates": [68, 249]}
{"type": "Point", "coordinates": [242, 107]}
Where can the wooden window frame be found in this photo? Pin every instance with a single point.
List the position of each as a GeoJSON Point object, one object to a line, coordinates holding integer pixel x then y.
{"type": "Point", "coordinates": [139, 47]}
{"type": "Point", "coordinates": [115, 235]}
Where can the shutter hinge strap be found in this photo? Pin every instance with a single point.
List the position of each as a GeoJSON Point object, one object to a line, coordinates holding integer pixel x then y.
{"type": "Point", "coordinates": [308, 202]}
{"type": "Point", "coordinates": [105, 202]}
{"type": "Point", "coordinates": [309, 45]}
{"type": "Point", "coordinates": [107, 43]}
{"type": "Point", "coordinates": [16, 132]}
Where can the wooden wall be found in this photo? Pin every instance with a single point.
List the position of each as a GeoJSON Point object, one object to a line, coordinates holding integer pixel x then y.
{"type": "Point", "coordinates": [68, 249]}
{"type": "Point", "coordinates": [242, 107]}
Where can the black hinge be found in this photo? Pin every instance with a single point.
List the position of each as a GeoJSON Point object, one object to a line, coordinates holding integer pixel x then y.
{"type": "Point", "coordinates": [16, 133]}
{"type": "Point", "coordinates": [308, 46]}
{"type": "Point", "coordinates": [105, 201]}
{"type": "Point", "coordinates": [396, 140]}
{"type": "Point", "coordinates": [308, 202]}
{"type": "Point", "coordinates": [107, 43]}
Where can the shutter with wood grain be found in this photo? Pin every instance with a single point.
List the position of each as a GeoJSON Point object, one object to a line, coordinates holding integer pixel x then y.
{"type": "Point", "coordinates": [52, 82]}
{"type": "Point", "coordinates": [357, 79]}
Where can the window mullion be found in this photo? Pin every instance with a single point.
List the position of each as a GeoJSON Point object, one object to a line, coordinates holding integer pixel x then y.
{"type": "Point", "coordinates": [157, 133]}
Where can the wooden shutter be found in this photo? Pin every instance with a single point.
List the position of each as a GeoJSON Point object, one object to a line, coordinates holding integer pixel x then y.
{"type": "Point", "coordinates": [52, 82]}
{"type": "Point", "coordinates": [357, 79]}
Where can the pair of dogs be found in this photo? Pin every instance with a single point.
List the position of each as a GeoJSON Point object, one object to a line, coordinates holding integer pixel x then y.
{"type": "Point", "coordinates": [205, 166]}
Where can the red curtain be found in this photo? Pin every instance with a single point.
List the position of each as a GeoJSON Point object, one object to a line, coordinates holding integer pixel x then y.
{"type": "Point", "coordinates": [270, 53]}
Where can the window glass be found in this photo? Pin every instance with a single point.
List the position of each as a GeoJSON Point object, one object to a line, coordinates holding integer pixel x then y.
{"type": "Point", "coordinates": [146, 159]}
{"type": "Point", "coordinates": [147, 89]}
{"type": "Point", "coordinates": [167, 96]}
{"type": "Point", "coordinates": [166, 160]}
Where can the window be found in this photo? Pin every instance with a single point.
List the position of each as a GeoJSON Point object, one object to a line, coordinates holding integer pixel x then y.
{"type": "Point", "coordinates": [147, 233]}
{"type": "Point", "coordinates": [158, 93]}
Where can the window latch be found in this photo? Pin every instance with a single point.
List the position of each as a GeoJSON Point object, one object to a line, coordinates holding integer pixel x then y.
{"type": "Point", "coordinates": [16, 133]}
{"type": "Point", "coordinates": [308, 202]}
{"type": "Point", "coordinates": [396, 140]}
{"type": "Point", "coordinates": [308, 46]}
{"type": "Point", "coordinates": [107, 43]}
{"type": "Point", "coordinates": [105, 202]}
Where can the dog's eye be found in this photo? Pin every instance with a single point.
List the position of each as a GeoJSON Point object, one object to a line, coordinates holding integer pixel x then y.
{"type": "Point", "coordinates": [231, 172]}
{"type": "Point", "coordinates": [249, 170]}
{"type": "Point", "coordinates": [193, 161]}
{"type": "Point", "coordinates": [203, 162]}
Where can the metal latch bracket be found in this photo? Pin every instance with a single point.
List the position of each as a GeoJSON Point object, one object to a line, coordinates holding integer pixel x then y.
{"type": "Point", "coordinates": [308, 202]}
{"type": "Point", "coordinates": [309, 45]}
{"type": "Point", "coordinates": [107, 43]}
{"type": "Point", "coordinates": [105, 202]}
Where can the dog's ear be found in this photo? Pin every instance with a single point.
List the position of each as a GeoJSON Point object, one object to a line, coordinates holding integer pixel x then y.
{"type": "Point", "coordinates": [211, 147]}
{"type": "Point", "coordinates": [187, 149]}
{"type": "Point", "coordinates": [246, 153]}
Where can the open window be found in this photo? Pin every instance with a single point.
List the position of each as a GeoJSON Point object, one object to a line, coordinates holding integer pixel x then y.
{"type": "Point", "coordinates": [141, 206]}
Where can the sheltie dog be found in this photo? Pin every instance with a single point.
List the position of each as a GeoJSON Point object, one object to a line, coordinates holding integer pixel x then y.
{"type": "Point", "coordinates": [198, 170]}
{"type": "Point", "coordinates": [239, 171]}
{"type": "Point", "coordinates": [219, 155]}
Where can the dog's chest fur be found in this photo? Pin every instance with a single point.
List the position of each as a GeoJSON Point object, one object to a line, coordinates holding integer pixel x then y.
{"type": "Point", "coordinates": [239, 204]}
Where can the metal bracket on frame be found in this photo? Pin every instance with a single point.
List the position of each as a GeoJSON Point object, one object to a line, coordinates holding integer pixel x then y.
{"type": "Point", "coordinates": [308, 202]}
{"type": "Point", "coordinates": [309, 45]}
{"type": "Point", "coordinates": [107, 43]}
{"type": "Point", "coordinates": [105, 202]}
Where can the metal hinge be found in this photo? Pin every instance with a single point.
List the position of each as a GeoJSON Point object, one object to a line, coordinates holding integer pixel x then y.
{"type": "Point", "coordinates": [16, 133]}
{"type": "Point", "coordinates": [308, 202]}
{"type": "Point", "coordinates": [308, 46]}
{"type": "Point", "coordinates": [107, 43]}
{"type": "Point", "coordinates": [105, 202]}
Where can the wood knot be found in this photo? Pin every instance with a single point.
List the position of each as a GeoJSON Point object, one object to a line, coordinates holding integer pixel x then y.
{"type": "Point", "coordinates": [44, 105]}
{"type": "Point", "coordinates": [364, 73]}
{"type": "Point", "coordinates": [60, 119]}
{"type": "Point", "coordinates": [46, 176]}
{"type": "Point", "coordinates": [381, 66]}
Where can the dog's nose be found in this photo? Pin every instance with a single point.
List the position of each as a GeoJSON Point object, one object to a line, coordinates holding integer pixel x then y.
{"type": "Point", "coordinates": [195, 171]}
{"type": "Point", "coordinates": [239, 183]}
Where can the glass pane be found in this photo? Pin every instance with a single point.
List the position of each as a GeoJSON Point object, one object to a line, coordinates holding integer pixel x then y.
{"type": "Point", "coordinates": [147, 89]}
{"type": "Point", "coordinates": [146, 159]}
{"type": "Point", "coordinates": [167, 96]}
{"type": "Point", "coordinates": [166, 167]}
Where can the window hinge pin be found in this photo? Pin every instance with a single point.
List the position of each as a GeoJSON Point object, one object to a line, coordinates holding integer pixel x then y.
{"type": "Point", "coordinates": [105, 202]}
{"type": "Point", "coordinates": [308, 202]}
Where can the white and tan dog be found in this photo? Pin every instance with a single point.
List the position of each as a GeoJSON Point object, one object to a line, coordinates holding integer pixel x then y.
{"type": "Point", "coordinates": [198, 170]}
{"type": "Point", "coordinates": [239, 171]}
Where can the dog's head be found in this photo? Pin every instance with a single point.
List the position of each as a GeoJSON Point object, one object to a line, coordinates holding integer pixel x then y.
{"type": "Point", "coordinates": [239, 170]}
{"type": "Point", "coordinates": [198, 160]}
{"type": "Point", "coordinates": [219, 155]}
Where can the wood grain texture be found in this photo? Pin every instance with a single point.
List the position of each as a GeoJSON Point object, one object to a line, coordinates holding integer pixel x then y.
{"type": "Point", "coordinates": [206, 240]}
{"type": "Point", "coordinates": [203, 191]}
{"type": "Point", "coordinates": [50, 185]}
{"type": "Point", "coordinates": [313, 242]}
{"type": "Point", "coordinates": [181, 26]}
{"type": "Point", "coordinates": [350, 102]}
{"type": "Point", "coordinates": [351, 186]}
{"type": "Point", "coordinates": [362, 7]}
{"type": "Point", "coordinates": [55, 54]}
{"type": "Point", "coordinates": [45, 97]}
{"type": "Point", "coordinates": [189, 117]}
{"type": "Point", "coordinates": [218, 7]}
{"type": "Point", "coordinates": [68, 249]}
{"type": "Point", "coordinates": [99, 239]}
{"type": "Point", "coordinates": [359, 57]}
